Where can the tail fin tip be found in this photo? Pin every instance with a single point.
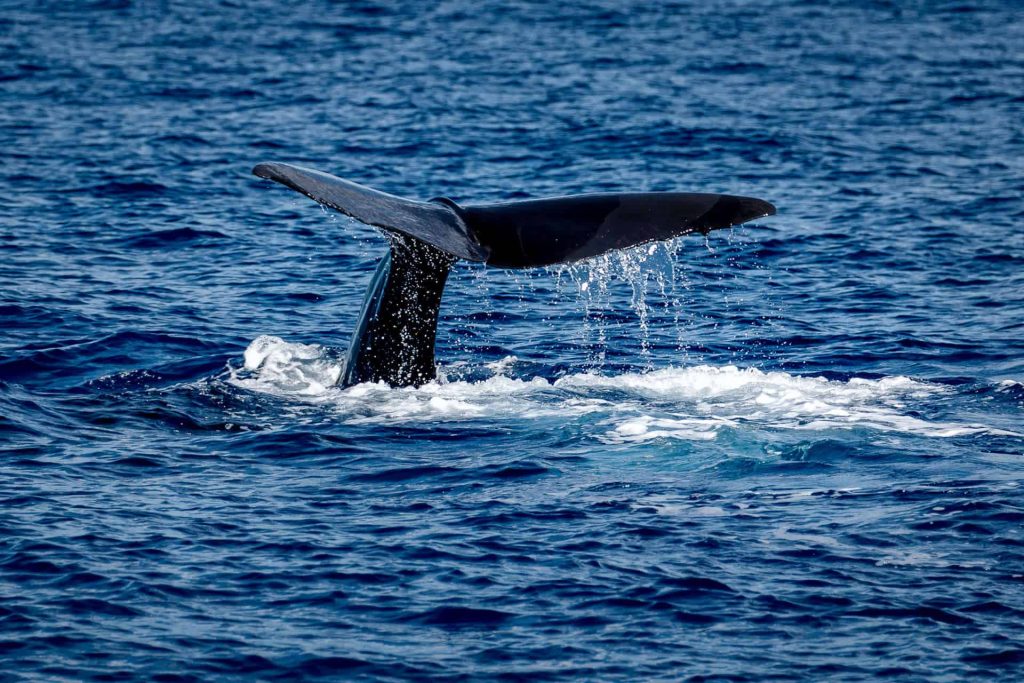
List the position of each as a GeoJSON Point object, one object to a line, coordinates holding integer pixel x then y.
{"type": "Point", "coordinates": [436, 224]}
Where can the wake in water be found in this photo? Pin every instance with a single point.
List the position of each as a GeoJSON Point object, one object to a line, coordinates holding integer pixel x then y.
{"type": "Point", "coordinates": [695, 403]}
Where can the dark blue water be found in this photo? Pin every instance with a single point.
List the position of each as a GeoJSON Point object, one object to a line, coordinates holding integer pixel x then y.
{"type": "Point", "coordinates": [790, 452]}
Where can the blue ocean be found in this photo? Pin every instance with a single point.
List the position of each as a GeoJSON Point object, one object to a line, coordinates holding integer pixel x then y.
{"type": "Point", "coordinates": [787, 451]}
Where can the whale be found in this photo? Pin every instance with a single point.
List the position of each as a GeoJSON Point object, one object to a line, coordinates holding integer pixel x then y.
{"type": "Point", "coordinates": [394, 338]}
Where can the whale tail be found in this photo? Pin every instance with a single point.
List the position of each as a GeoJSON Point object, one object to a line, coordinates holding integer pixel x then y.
{"type": "Point", "coordinates": [394, 339]}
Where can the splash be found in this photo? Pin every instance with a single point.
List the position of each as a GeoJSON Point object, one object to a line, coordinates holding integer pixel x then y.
{"type": "Point", "coordinates": [646, 268]}
{"type": "Point", "coordinates": [693, 403]}
{"type": "Point", "coordinates": [661, 294]}
{"type": "Point", "coordinates": [289, 368]}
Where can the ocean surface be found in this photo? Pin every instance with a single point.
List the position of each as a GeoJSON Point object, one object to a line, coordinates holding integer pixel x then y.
{"type": "Point", "coordinates": [792, 451]}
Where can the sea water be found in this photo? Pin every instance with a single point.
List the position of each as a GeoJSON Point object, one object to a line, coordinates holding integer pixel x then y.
{"type": "Point", "coordinates": [789, 451]}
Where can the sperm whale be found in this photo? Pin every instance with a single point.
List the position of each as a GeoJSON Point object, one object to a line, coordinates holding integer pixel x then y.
{"type": "Point", "coordinates": [394, 337]}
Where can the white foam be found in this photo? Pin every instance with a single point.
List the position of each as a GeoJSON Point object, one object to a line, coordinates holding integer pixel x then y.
{"type": "Point", "coordinates": [287, 368]}
{"type": "Point", "coordinates": [648, 428]}
{"type": "Point", "coordinates": [689, 404]}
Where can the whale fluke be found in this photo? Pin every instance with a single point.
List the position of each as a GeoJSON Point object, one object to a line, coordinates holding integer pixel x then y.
{"type": "Point", "coordinates": [542, 232]}
{"type": "Point", "coordinates": [394, 339]}
{"type": "Point", "coordinates": [432, 222]}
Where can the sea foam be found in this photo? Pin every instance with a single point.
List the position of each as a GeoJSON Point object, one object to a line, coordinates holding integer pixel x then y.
{"type": "Point", "coordinates": [686, 403]}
